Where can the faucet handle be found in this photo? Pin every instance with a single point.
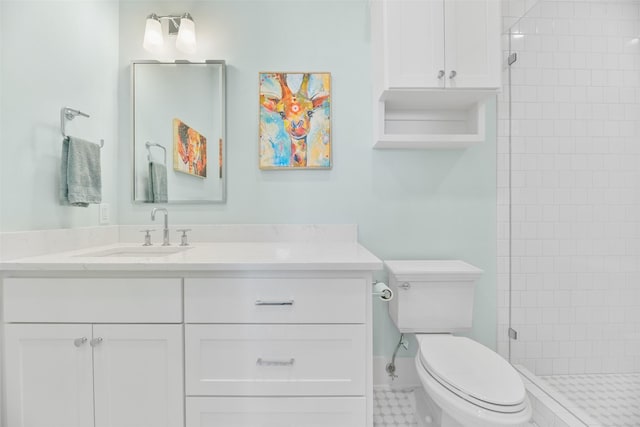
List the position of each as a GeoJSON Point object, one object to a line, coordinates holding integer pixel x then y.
{"type": "Point", "coordinates": [147, 237]}
{"type": "Point", "coordinates": [184, 239]}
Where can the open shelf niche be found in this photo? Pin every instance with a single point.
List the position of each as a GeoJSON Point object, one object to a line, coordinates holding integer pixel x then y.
{"type": "Point", "coordinates": [430, 119]}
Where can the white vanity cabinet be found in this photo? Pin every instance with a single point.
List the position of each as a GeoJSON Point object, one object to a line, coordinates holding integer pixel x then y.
{"type": "Point", "coordinates": [93, 352]}
{"type": "Point", "coordinates": [431, 44]}
{"type": "Point", "coordinates": [213, 348]}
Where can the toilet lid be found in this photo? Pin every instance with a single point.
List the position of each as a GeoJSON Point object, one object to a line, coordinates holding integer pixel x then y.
{"type": "Point", "coordinates": [472, 371]}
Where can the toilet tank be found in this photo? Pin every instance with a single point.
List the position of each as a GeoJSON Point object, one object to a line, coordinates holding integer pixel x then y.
{"type": "Point", "coordinates": [432, 295]}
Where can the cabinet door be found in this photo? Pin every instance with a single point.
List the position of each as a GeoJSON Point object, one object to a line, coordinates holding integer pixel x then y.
{"type": "Point", "coordinates": [472, 43]}
{"type": "Point", "coordinates": [49, 376]}
{"type": "Point", "coordinates": [138, 375]}
{"type": "Point", "coordinates": [414, 40]}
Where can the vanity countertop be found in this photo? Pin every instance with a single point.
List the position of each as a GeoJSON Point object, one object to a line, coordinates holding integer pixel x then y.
{"type": "Point", "coordinates": [234, 256]}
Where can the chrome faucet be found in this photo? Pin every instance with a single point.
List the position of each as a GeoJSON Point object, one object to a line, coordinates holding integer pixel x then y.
{"type": "Point", "coordinates": [165, 231]}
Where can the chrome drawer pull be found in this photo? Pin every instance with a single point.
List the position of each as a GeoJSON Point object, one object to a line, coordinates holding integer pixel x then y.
{"type": "Point", "coordinates": [263, 362]}
{"type": "Point", "coordinates": [288, 302]}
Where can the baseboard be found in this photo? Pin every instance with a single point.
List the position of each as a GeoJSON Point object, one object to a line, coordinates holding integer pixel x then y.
{"type": "Point", "coordinates": [407, 376]}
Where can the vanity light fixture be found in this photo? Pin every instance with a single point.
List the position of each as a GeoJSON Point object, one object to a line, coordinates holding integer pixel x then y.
{"type": "Point", "coordinates": [186, 40]}
{"type": "Point", "coordinates": [181, 26]}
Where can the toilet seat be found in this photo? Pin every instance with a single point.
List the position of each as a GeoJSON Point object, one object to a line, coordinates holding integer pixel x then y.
{"type": "Point", "coordinates": [472, 372]}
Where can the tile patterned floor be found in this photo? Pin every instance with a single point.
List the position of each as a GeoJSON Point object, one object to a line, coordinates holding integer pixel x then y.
{"type": "Point", "coordinates": [393, 408]}
{"type": "Point", "coordinates": [396, 407]}
{"type": "Point", "coordinates": [613, 400]}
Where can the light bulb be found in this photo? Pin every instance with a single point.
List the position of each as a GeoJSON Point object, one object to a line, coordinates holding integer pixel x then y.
{"type": "Point", "coordinates": [186, 41]}
{"type": "Point", "coordinates": [153, 40]}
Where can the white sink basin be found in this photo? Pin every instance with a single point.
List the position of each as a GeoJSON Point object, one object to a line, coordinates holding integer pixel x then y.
{"type": "Point", "coordinates": [139, 251]}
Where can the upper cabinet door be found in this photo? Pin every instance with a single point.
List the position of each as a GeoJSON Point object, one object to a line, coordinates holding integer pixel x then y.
{"type": "Point", "coordinates": [48, 376]}
{"type": "Point", "coordinates": [414, 43]}
{"type": "Point", "coordinates": [138, 375]}
{"type": "Point", "coordinates": [472, 43]}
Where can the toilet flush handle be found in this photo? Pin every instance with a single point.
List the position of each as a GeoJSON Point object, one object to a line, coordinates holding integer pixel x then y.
{"type": "Point", "coordinates": [406, 286]}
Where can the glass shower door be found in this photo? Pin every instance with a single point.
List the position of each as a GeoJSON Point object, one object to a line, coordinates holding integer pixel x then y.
{"type": "Point", "coordinates": [569, 168]}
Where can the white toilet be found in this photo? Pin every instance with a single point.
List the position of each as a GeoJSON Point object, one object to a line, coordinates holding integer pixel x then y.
{"type": "Point", "coordinates": [464, 384]}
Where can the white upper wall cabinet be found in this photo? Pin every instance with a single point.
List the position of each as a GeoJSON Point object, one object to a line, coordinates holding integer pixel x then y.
{"type": "Point", "coordinates": [438, 44]}
{"type": "Point", "coordinates": [414, 43]}
{"type": "Point", "coordinates": [435, 62]}
{"type": "Point", "coordinates": [472, 43]}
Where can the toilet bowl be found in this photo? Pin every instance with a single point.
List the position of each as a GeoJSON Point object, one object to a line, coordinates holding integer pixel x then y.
{"type": "Point", "coordinates": [465, 384]}
{"type": "Point", "coordinates": [472, 385]}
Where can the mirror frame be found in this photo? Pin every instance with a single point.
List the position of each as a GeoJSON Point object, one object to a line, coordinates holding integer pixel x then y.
{"type": "Point", "coordinates": [223, 132]}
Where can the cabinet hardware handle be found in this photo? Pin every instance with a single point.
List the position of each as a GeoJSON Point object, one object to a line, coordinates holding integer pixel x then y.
{"type": "Point", "coordinates": [94, 342]}
{"type": "Point", "coordinates": [288, 302]}
{"type": "Point", "coordinates": [406, 286]}
{"type": "Point", "coordinates": [79, 341]}
{"type": "Point", "coordinates": [440, 74]}
{"type": "Point", "coordinates": [263, 362]}
{"type": "Point", "coordinates": [453, 74]}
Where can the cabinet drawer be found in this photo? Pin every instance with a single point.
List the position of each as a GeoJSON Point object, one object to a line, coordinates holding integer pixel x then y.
{"type": "Point", "coordinates": [275, 360]}
{"type": "Point", "coordinates": [276, 412]}
{"type": "Point", "coordinates": [92, 300]}
{"type": "Point", "coordinates": [275, 300]}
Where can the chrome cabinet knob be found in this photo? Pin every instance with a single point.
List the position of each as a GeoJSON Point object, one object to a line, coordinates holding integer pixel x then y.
{"type": "Point", "coordinates": [440, 74]}
{"type": "Point", "coordinates": [406, 286]}
{"type": "Point", "coordinates": [94, 342]}
{"type": "Point", "coordinates": [453, 74]}
{"type": "Point", "coordinates": [79, 341]}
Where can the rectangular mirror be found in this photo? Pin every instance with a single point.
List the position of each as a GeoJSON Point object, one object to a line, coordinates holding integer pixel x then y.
{"type": "Point", "coordinates": [179, 132]}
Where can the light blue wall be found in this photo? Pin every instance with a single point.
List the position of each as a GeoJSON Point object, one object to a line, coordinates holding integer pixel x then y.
{"type": "Point", "coordinates": [412, 204]}
{"type": "Point", "coordinates": [54, 54]}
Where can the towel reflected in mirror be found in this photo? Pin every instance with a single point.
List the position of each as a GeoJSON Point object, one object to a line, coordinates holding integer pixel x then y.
{"type": "Point", "coordinates": [158, 183]}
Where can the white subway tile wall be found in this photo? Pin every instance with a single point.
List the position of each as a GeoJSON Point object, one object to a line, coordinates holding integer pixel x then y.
{"type": "Point", "coordinates": [513, 10]}
{"type": "Point", "coordinates": [575, 179]}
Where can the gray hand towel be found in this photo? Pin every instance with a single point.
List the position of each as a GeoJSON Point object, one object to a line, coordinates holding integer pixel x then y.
{"type": "Point", "coordinates": [158, 182]}
{"type": "Point", "coordinates": [80, 181]}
